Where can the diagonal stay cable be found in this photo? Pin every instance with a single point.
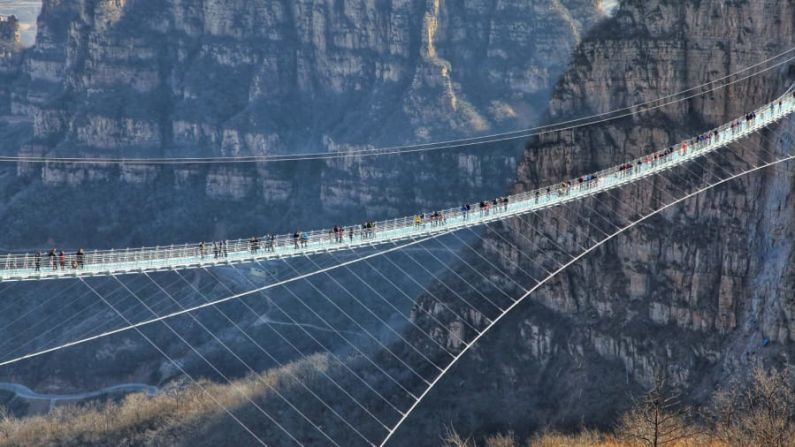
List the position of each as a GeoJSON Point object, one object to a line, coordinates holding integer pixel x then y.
{"type": "Point", "coordinates": [234, 354]}
{"type": "Point", "coordinates": [178, 366]}
{"type": "Point", "coordinates": [65, 322]}
{"type": "Point", "coordinates": [376, 316]}
{"type": "Point", "coordinates": [473, 250]}
{"type": "Point", "coordinates": [126, 311]}
{"type": "Point", "coordinates": [212, 303]}
{"type": "Point", "coordinates": [521, 299]}
{"type": "Point", "coordinates": [447, 286]}
{"type": "Point", "coordinates": [61, 323]}
{"type": "Point", "coordinates": [265, 351]}
{"type": "Point", "coordinates": [209, 363]}
{"type": "Point", "coordinates": [299, 352]}
{"type": "Point", "coordinates": [385, 300]}
{"type": "Point", "coordinates": [330, 351]}
{"type": "Point", "coordinates": [364, 330]}
{"type": "Point", "coordinates": [458, 275]}
{"type": "Point", "coordinates": [52, 297]}
{"type": "Point", "coordinates": [525, 272]}
{"type": "Point", "coordinates": [518, 250]}
{"type": "Point", "coordinates": [38, 326]}
{"type": "Point", "coordinates": [428, 292]}
{"type": "Point", "coordinates": [410, 299]}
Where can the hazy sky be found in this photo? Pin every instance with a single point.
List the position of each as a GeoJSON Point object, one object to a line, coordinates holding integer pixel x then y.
{"type": "Point", "coordinates": [26, 11]}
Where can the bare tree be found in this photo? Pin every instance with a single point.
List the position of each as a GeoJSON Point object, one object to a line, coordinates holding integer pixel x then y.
{"type": "Point", "coordinates": [453, 439]}
{"type": "Point", "coordinates": [757, 413]}
{"type": "Point", "coordinates": [658, 419]}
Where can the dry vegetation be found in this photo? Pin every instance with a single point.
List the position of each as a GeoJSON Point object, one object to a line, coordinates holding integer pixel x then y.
{"type": "Point", "coordinates": [139, 418]}
{"type": "Point", "coordinates": [759, 413]}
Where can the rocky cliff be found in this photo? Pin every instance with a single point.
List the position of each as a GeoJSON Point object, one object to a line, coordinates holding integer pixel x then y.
{"type": "Point", "coordinates": [265, 77]}
{"type": "Point", "coordinates": [9, 57]}
{"type": "Point", "coordinates": [9, 30]}
{"type": "Point", "coordinates": [200, 77]}
{"type": "Point", "coordinates": [703, 292]}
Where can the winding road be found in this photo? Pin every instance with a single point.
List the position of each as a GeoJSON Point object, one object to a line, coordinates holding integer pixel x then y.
{"type": "Point", "coordinates": [23, 392]}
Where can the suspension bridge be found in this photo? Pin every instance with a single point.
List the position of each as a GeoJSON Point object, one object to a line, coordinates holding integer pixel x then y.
{"type": "Point", "coordinates": [29, 266]}
{"type": "Point", "coordinates": [411, 364]}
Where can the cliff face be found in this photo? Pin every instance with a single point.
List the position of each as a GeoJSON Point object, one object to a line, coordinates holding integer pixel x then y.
{"type": "Point", "coordinates": [9, 30]}
{"type": "Point", "coordinates": [9, 57]}
{"type": "Point", "coordinates": [201, 77]}
{"type": "Point", "coordinates": [694, 292]}
{"type": "Point", "coordinates": [264, 77]}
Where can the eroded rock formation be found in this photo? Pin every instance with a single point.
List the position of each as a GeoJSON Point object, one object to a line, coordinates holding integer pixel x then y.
{"type": "Point", "coordinates": [704, 292]}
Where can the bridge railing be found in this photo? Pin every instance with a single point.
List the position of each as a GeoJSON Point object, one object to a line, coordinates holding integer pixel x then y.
{"type": "Point", "coordinates": [144, 258]}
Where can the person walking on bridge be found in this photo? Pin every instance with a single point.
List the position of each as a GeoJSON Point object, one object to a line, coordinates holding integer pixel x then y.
{"type": "Point", "coordinates": [304, 239]}
{"type": "Point", "coordinates": [62, 260]}
{"type": "Point", "coordinates": [297, 238]}
{"type": "Point", "coordinates": [37, 261]}
{"type": "Point", "coordinates": [269, 242]}
{"type": "Point", "coordinates": [53, 262]}
{"type": "Point", "coordinates": [368, 227]}
{"type": "Point", "coordinates": [254, 245]}
{"type": "Point", "coordinates": [81, 258]}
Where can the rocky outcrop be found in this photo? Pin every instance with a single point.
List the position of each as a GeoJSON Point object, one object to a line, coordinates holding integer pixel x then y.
{"type": "Point", "coordinates": [183, 78]}
{"type": "Point", "coordinates": [9, 30]}
{"type": "Point", "coordinates": [703, 282]}
{"type": "Point", "coordinates": [201, 77]}
{"type": "Point", "coordinates": [702, 292]}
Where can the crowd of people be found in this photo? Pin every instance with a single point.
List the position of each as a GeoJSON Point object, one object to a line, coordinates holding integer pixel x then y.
{"type": "Point", "coordinates": [59, 259]}
{"type": "Point", "coordinates": [339, 232]}
{"type": "Point", "coordinates": [220, 249]}
{"type": "Point", "coordinates": [268, 242]}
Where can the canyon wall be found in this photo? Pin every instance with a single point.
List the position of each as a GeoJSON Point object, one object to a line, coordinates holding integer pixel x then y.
{"type": "Point", "coordinates": [702, 293]}
{"type": "Point", "coordinates": [146, 78]}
